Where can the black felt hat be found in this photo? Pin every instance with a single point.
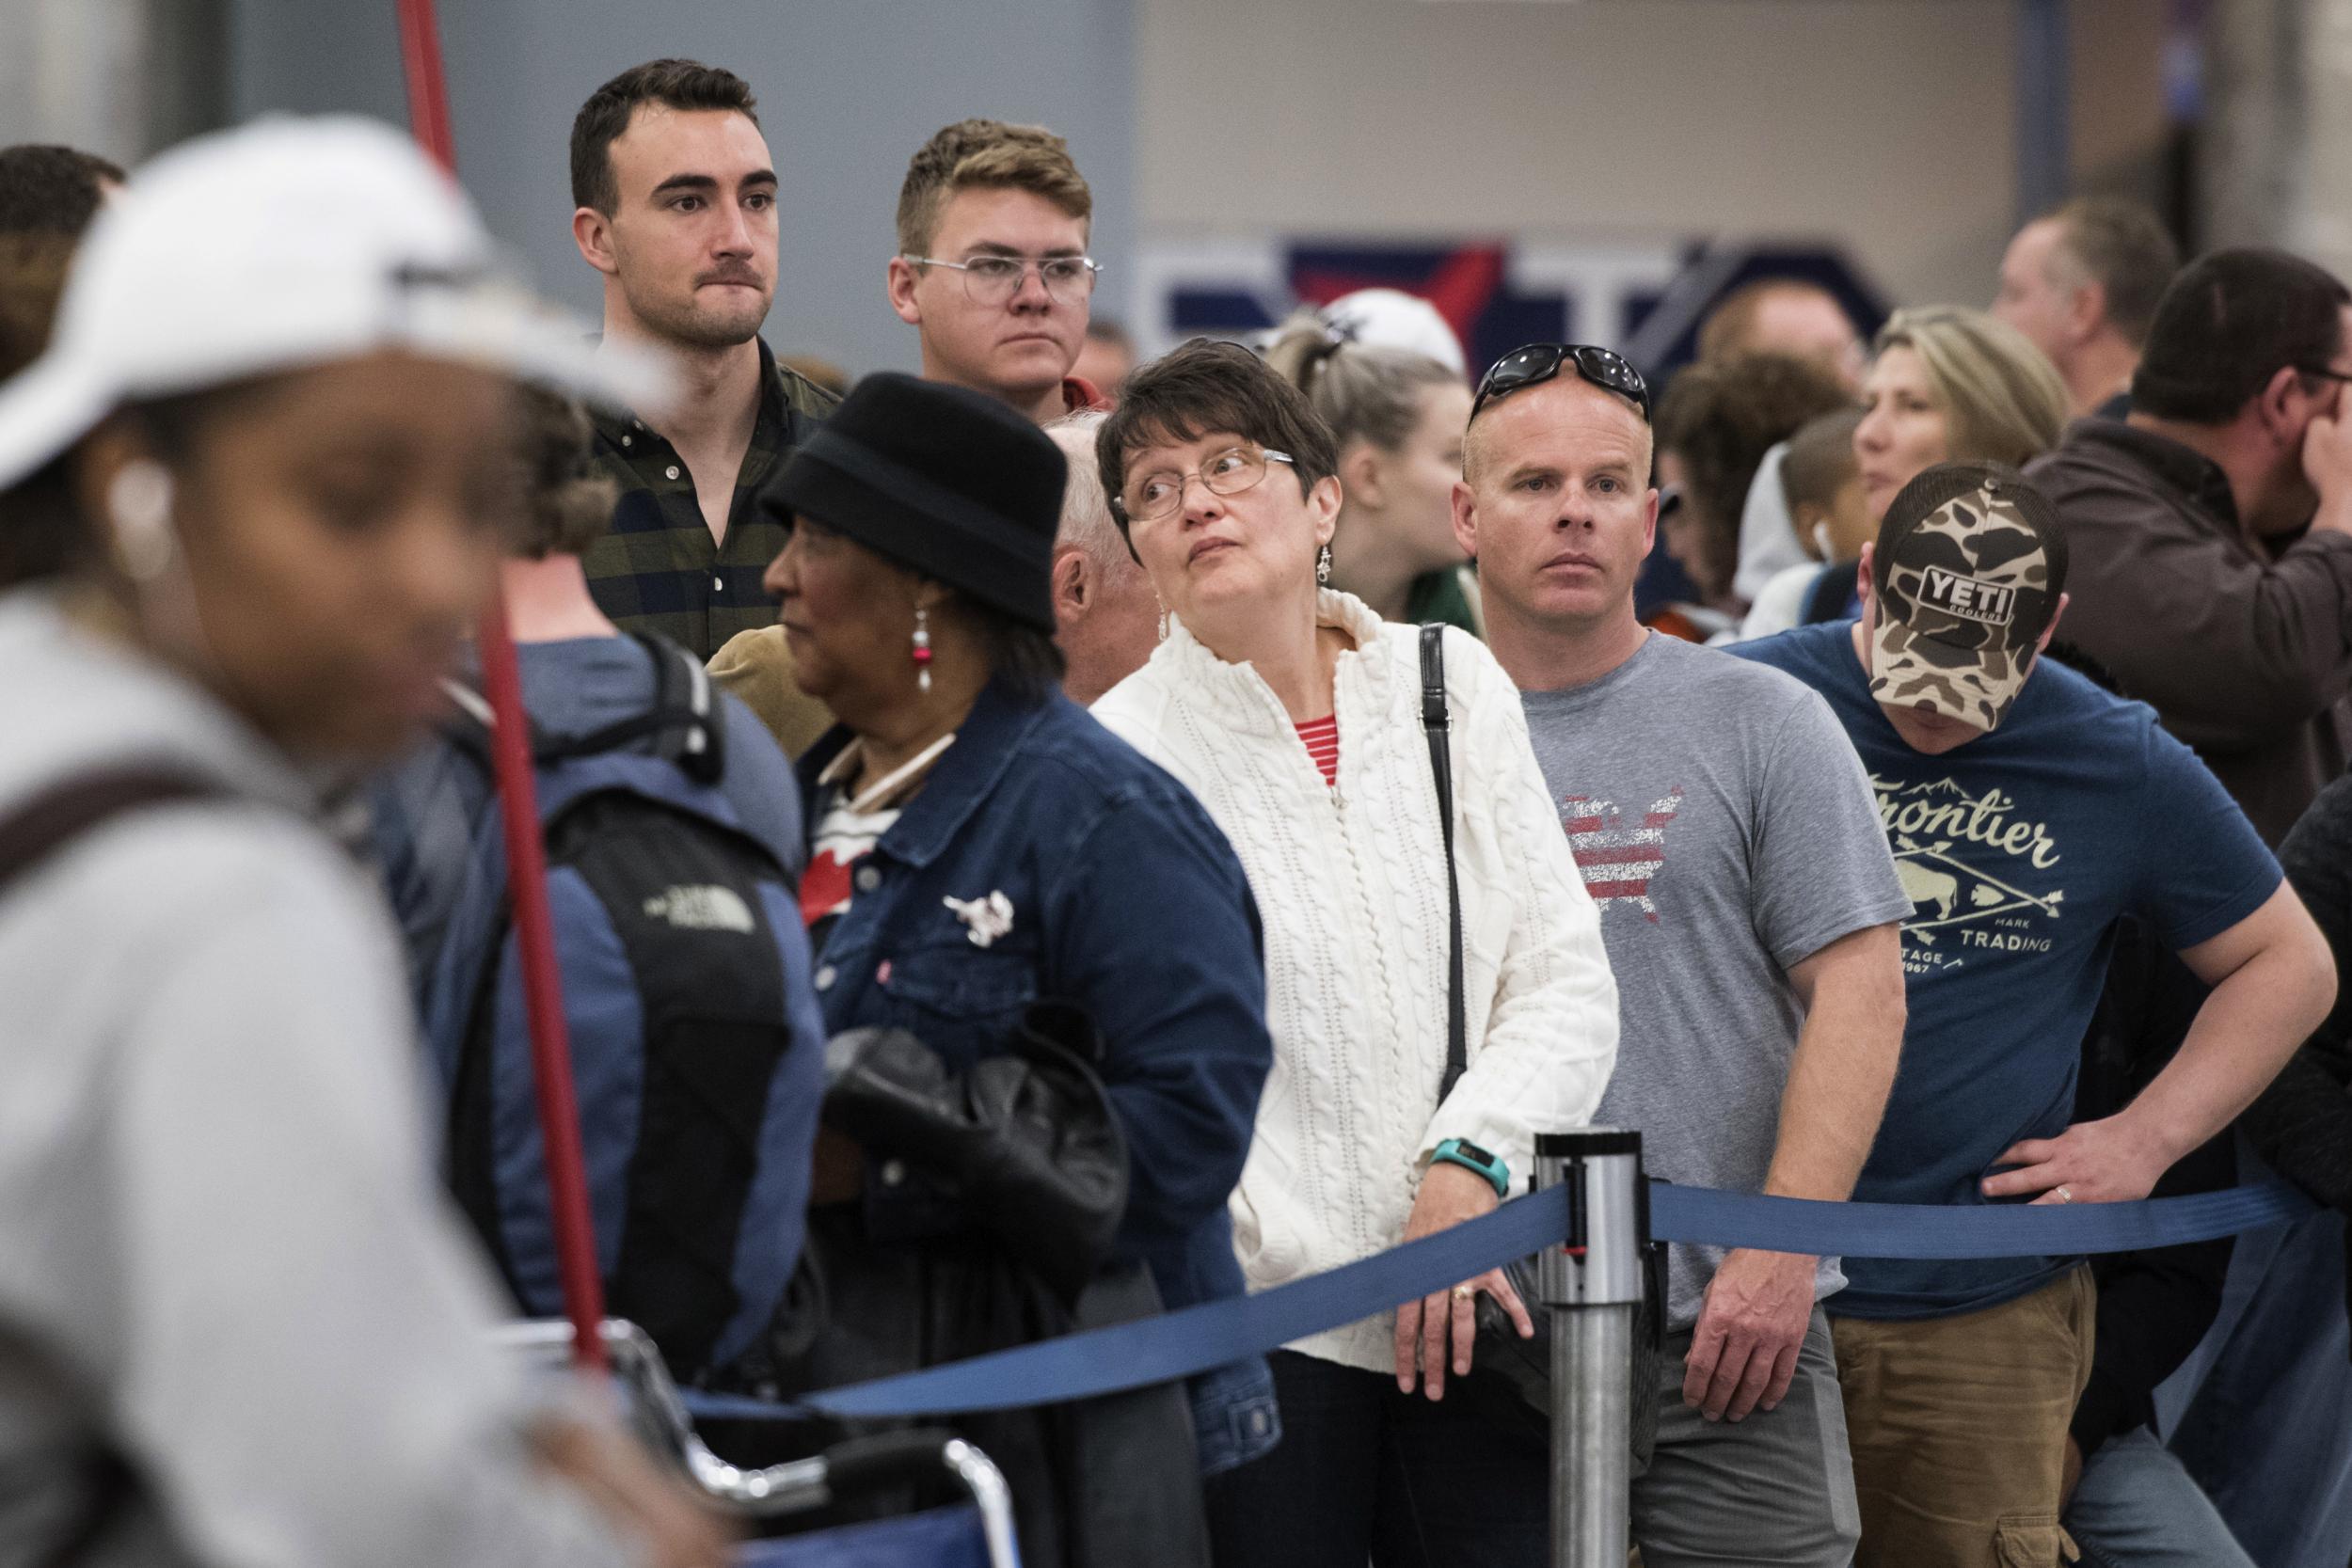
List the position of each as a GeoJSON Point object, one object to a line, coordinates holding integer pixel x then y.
{"type": "Point", "coordinates": [941, 479]}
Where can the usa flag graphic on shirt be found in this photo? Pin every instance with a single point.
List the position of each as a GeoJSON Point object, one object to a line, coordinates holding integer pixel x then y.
{"type": "Point", "coordinates": [1619, 856]}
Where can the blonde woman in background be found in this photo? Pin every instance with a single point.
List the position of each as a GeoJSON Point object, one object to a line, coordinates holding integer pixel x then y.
{"type": "Point", "coordinates": [1951, 385]}
{"type": "Point", "coordinates": [1398, 417]}
{"type": "Point", "coordinates": [1945, 385]}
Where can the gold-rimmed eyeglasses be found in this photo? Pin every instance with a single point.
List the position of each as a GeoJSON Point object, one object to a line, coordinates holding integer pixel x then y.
{"type": "Point", "coordinates": [1150, 497]}
{"type": "Point", "coordinates": [994, 280]}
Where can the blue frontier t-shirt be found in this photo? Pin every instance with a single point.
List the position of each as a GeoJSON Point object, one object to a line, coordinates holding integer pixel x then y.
{"type": "Point", "coordinates": [2020, 849]}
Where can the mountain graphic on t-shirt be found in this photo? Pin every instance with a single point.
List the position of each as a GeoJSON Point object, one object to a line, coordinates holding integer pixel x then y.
{"type": "Point", "coordinates": [1619, 857]}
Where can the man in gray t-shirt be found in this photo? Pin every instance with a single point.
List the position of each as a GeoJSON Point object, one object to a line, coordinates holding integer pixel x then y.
{"type": "Point", "coordinates": [1726, 832]}
{"type": "Point", "coordinates": [1749, 902]}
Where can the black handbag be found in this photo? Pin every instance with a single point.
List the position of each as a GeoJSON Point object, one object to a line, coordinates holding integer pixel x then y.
{"type": "Point", "coordinates": [1011, 1179]}
{"type": "Point", "coordinates": [1507, 1372]}
{"type": "Point", "coordinates": [1021, 1147]}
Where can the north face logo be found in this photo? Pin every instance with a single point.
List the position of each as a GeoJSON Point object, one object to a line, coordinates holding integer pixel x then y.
{"type": "Point", "coordinates": [1967, 599]}
{"type": "Point", "coordinates": [702, 909]}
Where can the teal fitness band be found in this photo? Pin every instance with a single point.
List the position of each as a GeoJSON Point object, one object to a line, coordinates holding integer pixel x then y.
{"type": "Point", "coordinates": [1460, 1152]}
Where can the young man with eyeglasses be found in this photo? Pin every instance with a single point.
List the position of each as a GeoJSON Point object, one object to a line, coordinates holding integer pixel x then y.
{"type": "Point", "coordinates": [674, 202]}
{"type": "Point", "coordinates": [992, 269]}
{"type": "Point", "coordinates": [1748, 901]}
{"type": "Point", "coordinates": [2212, 528]}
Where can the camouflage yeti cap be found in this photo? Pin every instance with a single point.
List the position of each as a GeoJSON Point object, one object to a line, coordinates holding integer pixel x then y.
{"type": "Point", "coordinates": [1968, 567]}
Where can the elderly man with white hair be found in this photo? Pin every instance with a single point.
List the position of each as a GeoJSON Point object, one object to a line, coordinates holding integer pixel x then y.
{"type": "Point", "coordinates": [1106, 616]}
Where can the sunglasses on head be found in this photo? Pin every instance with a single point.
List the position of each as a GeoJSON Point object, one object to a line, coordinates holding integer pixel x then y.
{"type": "Point", "coordinates": [1538, 362]}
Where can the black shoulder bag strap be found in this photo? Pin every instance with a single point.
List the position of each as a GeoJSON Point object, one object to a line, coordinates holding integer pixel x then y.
{"type": "Point", "coordinates": [1499, 1343]}
{"type": "Point", "coordinates": [74, 806]}
{"type": "Point", "coordinates": [1437, 723]}
{"type": "Point", "coordinates": [41, 828]}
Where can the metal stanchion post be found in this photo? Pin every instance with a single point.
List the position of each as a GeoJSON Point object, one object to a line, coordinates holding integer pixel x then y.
{"type": "Point", "coordinates": [1592, 1287]}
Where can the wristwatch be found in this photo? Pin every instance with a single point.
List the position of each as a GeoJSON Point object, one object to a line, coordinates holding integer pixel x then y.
{"type": "Point", "coordinates": [1461, 1151]}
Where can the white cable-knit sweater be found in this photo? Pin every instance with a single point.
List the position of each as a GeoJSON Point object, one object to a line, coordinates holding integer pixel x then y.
{"type": "Point", "coordinates": [1350, 882]}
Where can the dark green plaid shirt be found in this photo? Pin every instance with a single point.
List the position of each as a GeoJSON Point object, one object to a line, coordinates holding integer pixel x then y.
{"type": "Point", "coordinates": [658, 569]}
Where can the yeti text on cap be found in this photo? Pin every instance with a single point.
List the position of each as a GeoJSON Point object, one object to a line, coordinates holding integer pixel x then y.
{"type": "Point", "coordinates": [1965, 597]}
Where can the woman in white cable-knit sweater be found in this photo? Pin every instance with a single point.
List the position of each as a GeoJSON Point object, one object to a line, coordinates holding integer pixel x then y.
{"type": "Point", "coordinates": [1293, 713]}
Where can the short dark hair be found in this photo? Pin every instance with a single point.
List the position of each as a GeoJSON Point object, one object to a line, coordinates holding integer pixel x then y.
{"type": "Point", "coordinates": [2122, 244]}
{"type": "Point", "coordinates": [566, 503]}
{"type": "Point", "coordinates": [1821, 460]}
{"type": "Point", "coordinates": [2228, 324]}
{"type": "Point", "coordinates": [52, 190]}
{"type": "Point", "coordinates": [1205, 385]}
{"type": "Point", "coordinates": [673, 84]}
{"type": "Point", "coordinates": [1721, 415]}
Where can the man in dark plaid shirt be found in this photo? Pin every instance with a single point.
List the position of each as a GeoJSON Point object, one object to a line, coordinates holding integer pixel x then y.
{"type": "Point", "coordinates": [676, 199]}
{"type": "Point", "coordinates": [660, 569]}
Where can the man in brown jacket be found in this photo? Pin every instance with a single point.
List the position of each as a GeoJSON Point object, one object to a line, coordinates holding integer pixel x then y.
{"type": "Point", "coordinates": [2211, 533]}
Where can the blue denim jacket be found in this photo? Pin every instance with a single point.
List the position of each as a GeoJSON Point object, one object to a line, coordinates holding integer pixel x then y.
{"type": "Point", "coordinates": [1124, 898]}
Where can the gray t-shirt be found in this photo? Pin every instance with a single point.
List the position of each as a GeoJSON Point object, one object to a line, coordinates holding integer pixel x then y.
{"type": "Point", "coordinates": [1726, 833]}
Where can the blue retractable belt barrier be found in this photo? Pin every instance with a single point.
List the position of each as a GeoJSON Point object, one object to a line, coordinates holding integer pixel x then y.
{"type": "Point", "coordinates": [1158, 1350]}
{"type": "Point", "coordinates": [1992, 1230]}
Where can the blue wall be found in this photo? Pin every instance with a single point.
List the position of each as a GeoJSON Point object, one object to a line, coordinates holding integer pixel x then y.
{"type": "Point", "coordinates": [848, 89]}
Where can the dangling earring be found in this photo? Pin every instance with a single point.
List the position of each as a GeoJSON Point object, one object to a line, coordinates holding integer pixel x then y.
{"type": "Point", "coordinates": [1323, 567]}
{"type": "Point", "coordinates": [922, 649]}
{"type": "Point", "coordinates": [138, 503]}
{"type": "Point", "coordinates": [1163, 604]}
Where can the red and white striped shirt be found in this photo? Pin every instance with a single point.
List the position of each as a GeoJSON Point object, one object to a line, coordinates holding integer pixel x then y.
{"type": "Point", "coordinates": [848, 830]}
{"type": "Point", "coordinates": [1322, 737]}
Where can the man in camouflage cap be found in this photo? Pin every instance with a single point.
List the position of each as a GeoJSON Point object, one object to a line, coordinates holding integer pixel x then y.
{"type": "Point", "coordinates": [1970, 573]}
{"type": "Point", "coordinates": [2028, 813]}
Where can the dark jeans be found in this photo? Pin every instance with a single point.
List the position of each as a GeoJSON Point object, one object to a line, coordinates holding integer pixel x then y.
{"type": "Point", "coordinates": [1365, 1473]}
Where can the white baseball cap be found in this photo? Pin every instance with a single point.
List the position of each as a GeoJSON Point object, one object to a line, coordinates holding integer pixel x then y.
{"type": "Point", "coordinates": [1390, 318]}
{"type": "Point", "coordinates": [283, 244]}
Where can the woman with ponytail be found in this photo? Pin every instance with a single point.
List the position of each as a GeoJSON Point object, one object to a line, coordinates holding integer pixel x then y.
{"type": "Point", "coordinates": [1398, 417]}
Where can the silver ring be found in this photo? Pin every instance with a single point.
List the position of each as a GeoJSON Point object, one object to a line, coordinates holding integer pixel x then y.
{"type": "Point", "coordinates": [2062, 1195]}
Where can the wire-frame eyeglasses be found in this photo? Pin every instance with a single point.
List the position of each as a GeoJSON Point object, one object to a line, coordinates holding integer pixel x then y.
{"type": "Point", "coordinates": [994, 280]}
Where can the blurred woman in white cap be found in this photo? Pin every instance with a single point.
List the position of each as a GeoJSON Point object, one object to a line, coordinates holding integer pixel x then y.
{"type": "Point", "coordinates": [268, 439]}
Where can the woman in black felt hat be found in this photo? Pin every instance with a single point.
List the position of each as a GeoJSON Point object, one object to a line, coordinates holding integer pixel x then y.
{"type": "Point", "coordinates": [981, 847]}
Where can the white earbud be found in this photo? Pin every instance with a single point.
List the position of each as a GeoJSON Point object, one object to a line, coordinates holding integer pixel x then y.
{"type": "Point", "coordinates": [138, 505]}
{"type": "Point", "coordinates": [1821, 541]}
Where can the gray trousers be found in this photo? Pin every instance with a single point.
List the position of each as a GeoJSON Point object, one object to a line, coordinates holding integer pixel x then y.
{"type": "Point", "coordinates": [1775, 1489]}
